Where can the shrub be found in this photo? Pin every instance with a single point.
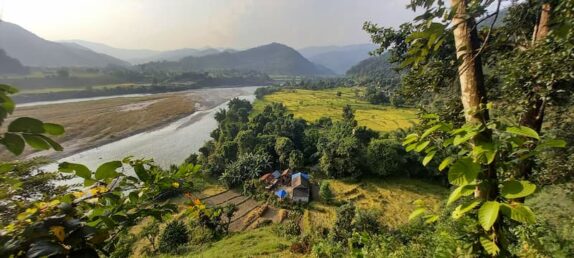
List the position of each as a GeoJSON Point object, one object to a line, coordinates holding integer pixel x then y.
{"type": "Point", "coordinates": [343, 227]}
{"type": "Point", "coordinates": [325, 192]}
{"type": "Point", "coordinates": [386, 157]}
{"type": "Point", "coordinates": [367, 221]}
{"type": "Point", "coordinates": [174, 235]}
{"type": "Point", "coordinates": [123, 246]}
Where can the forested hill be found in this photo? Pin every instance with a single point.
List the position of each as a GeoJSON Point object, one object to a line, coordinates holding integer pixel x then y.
{"type": "Point", "coordinates": [273, 59]}
{"type": "Point", "coordinates": [9, 65]}
{"type": "Point", "coordinates": [32, 50]}
{"type": "Point", "coordinates": [338, 58]}
{"type": "Point", "coordinates": [376, 67]}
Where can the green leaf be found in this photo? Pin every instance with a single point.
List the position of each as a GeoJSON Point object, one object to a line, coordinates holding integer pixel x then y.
{"type": "Point", "coordinates": [411, 147]}
{"type": "Point", "coordinates": [518, 212]}
{"type": "Point", "coordinates": [53, 129]}
{"type": "Point", "coordinates": [445, 163]}
{"type": "Point", "coordinates": [417, 213]}
{"type": "Point", "coordinates": [552, 144]}
{"type": "Point", "coordinates": [36, 142]}
{"type": "Point", "coordinates": [14, 143]}
{"type": "Point", "coordinates": [462, 209]}
{"type": "Point", "coordinates": [421, 146]}
{"type": "Point", "coordinates": [462, 139]}
{"type": "Point", "coordinates": [52, 143]}
{"type": "Point", "coordinates": [489, 246]}
{"type": "Point", "coordinates": [430, 131]}
{"type": "Point", "coordinates": [517, 189]}
{"type": "Point", "coordinates": [523, 131]}
{"type": "Point", "coordinates": [488, 213]}
{"type": "Point", "coordinates": [81, 170]}
{"type": "Point", "coordinates": [141, 172]}
{"type": "Point", "coordinates": [431, 219]}
{"type": "Point", "coordinates": [463, 172]}
{"type": "Point", "coordinates": [26, 125]}
{"type": "Point", "coordinates": [108, 170]}
{"type": "Point", "coordinates": [460, 191]}
{"type": "Point", "coordinates": [428, 158]}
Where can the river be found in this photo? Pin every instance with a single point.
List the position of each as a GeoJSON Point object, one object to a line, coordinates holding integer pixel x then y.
{"type": "Point", "coordinates": [170, 144]}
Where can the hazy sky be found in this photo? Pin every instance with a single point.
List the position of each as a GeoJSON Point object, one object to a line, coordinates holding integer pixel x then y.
{"type": "Point", "coordinates": [170, 24]}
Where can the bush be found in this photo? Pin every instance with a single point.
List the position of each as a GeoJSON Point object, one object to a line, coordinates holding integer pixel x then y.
{"type": "Point", "coordinates": [343, 227]}
{"type": "Point", "coordinates": [325, 192]}
{"type": "Point", "coordinates": [386, 157]}
{"type": "Point", "coordinates": [174, 235]}
{"type": "Point", "coordinates": [367, 221]}
{"type": "Point", "coordinates": [123, 246]}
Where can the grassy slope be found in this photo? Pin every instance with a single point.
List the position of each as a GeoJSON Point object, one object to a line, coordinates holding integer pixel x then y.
{"type": "Point", "coordinates": [393, 198]}
{"type": "Point", "coordinates": [311, 105]}
{"type": "Point", "coordinates": [260, 242]}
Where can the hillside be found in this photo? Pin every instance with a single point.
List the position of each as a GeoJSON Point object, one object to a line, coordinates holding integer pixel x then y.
{"type": "Point", "coordinates": [9, 65]}
{"type": "Point", "coordinates": [32, 50]}
{"type": "Point", "coordinates": [375, 67]}
{"type": "Point", "coordinates": [338, 58]}
{"type": "Point", "coordinates": [272, 59]}
{"type": "Point", "coordinates": [140, 56]}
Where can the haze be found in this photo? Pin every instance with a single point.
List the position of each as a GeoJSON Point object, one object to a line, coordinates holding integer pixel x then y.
{"type": "Point", "coordinates": [163, 25]}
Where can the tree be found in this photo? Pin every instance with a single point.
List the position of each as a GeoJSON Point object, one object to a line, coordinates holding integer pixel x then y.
{"type": "Point", "coordinates": [386, 158]}
{"type": "Point", "coordinates": [283, 147]}
{"type": "Point", "coordinates": [325, 192]}
{"type": "Point", "coordinates": [296, 159]}
{"type": "Point", "coordinates": [343, 227]}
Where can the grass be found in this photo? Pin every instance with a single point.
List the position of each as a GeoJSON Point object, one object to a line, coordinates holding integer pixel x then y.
{"type": "Point", "coordinates": [314, 104]}
{"type": "Point", "coordinates": [262, 242]}
{"type": "Point", "coordinates": [393, 198]}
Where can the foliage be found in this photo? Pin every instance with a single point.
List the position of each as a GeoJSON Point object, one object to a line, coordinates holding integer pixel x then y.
{"type": "Point", "coordinates": [150, 232]}
{"type": "Point", "coordinates": [343, 227]}
{"type": "Point", "coordinates": [387, 157]}
{"type": "Point", "coordinates": [86, 223]}
{"type": "Point", "coordinates": [325, 192]}
{"type": "Point", "coordinates": [173, 236]}
{"type": "Point", "coordinates": [467, 169]}
{"type": "Point", "coordinates": [248, 166]}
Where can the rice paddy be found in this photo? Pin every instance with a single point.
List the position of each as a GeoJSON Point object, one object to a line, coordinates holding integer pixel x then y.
{"type": "Point", "coordinates": [314, 104]}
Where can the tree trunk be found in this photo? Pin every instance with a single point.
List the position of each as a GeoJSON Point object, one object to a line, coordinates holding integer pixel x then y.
{"type": "Point", "coordinates": [470, 72]}
{"type": "Point", "coordinates": [534, 114]}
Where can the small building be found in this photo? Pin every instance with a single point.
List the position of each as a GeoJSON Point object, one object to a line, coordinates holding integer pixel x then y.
{"type": "Point", "coordinates": [300, 187]}
{"type": "Point", "coordinates": [276, 174]}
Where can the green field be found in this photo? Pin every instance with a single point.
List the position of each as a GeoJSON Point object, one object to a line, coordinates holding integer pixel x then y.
{"type": "Point", "coordinates": [314, 104]}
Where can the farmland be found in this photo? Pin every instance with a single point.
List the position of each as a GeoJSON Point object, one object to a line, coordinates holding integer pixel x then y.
{"type": "Point", "coordinates": [314, 104]}
{"type": "Point", "coordinates": [391, 198]}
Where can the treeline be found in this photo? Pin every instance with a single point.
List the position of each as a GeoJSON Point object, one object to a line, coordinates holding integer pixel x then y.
{"type": "Point", "coordinates": [246, 145]}
{"type": "Point", "coordinates": [171, 83]}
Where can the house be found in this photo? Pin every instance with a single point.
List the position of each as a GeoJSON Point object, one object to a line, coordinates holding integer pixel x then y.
{"type": "Point", "coordinates": [276, 174]}
{"type": "Point", "coordinates": [300, 187]}
{"type": "Point", "coordinates": [285, 177]}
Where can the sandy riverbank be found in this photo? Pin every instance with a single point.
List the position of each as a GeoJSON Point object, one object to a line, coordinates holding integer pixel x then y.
{"type": "Point", "coordinates": [96, 122]}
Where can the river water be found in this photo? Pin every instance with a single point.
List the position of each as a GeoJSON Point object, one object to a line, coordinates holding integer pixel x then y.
{"type": "Point", "coordinates": [170, 144]}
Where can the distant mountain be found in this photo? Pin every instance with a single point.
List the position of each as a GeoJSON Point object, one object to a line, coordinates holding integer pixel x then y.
{"type": "Point", "coordinates": [9, 65]}
{"type": "Point", "coordinates": [373, 68]}
{"type": "Point", "coordinates": [177, 54]}
{"type": "Point", "coordinates": [121, 53]}
{"type": "Point", "coordinates": [338, 58]}
{"type": "Point", "coordinates": [140, 56]}
{"type": "Point", "coordinates": [272, 59]}
{"type": "Point", "coordinates": [32, 50]}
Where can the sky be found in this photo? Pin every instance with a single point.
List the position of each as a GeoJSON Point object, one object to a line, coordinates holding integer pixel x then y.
{"type": "Point", "coordinates": [171, 24]}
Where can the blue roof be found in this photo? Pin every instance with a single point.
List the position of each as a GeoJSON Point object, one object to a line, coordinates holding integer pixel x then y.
{"type": "Point", "coordinates": [300, 174]}
{"type": "Point", "coordinates": [281, 193]}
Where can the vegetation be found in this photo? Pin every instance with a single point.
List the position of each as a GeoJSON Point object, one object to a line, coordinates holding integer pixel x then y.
{"type": "Point", "coordinates": [312, 105]}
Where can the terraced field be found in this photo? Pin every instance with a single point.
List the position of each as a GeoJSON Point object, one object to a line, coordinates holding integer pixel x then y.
{"type": "Point", "coordinates": [247, 209]}
{"type": "Point", "coordinates": [314, 104]}
{"type": "Point", "coordinates": [391, 198]}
